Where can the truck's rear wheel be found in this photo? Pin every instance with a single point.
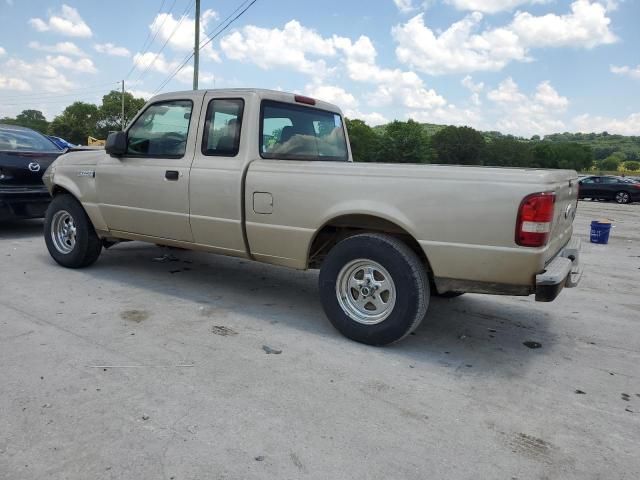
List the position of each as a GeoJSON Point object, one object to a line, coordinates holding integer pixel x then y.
{"type": "Point", "coordinates": [69, 234]}
{"type": "Point", "coordinates": [374, 288]}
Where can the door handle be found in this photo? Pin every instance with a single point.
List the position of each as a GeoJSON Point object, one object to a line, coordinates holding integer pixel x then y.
{"type": "Point", "coordinates": [172, 175]}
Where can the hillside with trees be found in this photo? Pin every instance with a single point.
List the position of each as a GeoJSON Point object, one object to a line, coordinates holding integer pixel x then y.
{"type": "Point", "coordinates": [405, 142]}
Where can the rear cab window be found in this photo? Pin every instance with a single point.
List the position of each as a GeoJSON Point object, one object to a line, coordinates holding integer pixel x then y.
{"type": "Point", "coordinates": [222, 127]}
{"type": "Point", "coordinates": [295, 132]}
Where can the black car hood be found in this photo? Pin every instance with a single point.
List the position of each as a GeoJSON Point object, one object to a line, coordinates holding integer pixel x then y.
{"type": "Point", "coordinates": [23, 169]}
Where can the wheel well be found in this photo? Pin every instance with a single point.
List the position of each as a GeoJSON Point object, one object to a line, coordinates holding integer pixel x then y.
{"type": "Point", "coordinates": [58, 190]}
{"type": "Point", "coordinates": [348, 225]}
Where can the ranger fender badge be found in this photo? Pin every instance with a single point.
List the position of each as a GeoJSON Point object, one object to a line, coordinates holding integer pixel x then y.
{"type": "Point", "coordinates": [87, 173]}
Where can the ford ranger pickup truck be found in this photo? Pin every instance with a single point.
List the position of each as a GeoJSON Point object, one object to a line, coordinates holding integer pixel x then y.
{"type": "Point", "coordinates": [268, 176]}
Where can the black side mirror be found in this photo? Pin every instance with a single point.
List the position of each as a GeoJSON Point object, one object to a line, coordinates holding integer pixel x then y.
{"type": "Point", "coordinates": [116, 144]}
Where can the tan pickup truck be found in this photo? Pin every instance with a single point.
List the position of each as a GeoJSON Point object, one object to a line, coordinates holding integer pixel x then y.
{"type": "Point", "coordinates": [268, 176]}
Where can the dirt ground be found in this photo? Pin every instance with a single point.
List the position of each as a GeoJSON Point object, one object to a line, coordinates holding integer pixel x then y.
{"type": "Point", "coordinates": [148, 366]}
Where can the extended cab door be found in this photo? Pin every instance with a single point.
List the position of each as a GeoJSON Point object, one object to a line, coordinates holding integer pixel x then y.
{"type": "Point", "coordinates": [146, 191]}
{"type": "Point", "coordinates": [217, 174]}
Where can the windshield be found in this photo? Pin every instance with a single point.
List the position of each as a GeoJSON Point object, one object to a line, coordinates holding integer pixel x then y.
{"type": "Point", "coordinates": [294, 132]}
{"type": "Point", "coordinates": [19, 140]}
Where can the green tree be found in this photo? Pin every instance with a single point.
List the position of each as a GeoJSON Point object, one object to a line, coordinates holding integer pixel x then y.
{"type": "Point", "coordinates": [632, 165]}
{"type": "Point", "coordinates": [29, 118]}
{"type": "Point", "coordinates": [365, 142]}
{"type": "Point", "coordinates": [110, 112]}
{"type": "Point", "coordinates": [507, 152]}
{"type": "Point", "coordinates": [405, 142]}
{"type": "Point", "coordinates": [610, 164]}
{"type": "Point", "coordinates": [76, 122]}
{"type": "Point", "coordinates": [458, 145]}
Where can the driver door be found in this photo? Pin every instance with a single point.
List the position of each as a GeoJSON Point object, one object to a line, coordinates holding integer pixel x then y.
{"type": "Point", "coordinates": [146, 191]}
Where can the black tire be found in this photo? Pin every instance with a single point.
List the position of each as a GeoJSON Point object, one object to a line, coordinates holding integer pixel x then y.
{"type": "Point", "coordinates": [87, 246]}
{"type": "Point", "coordinates": [448, 294]}
{"type": "Point", "coordinates": [622, 197]}
{"type": "Point", "coordinates": [409, 280]}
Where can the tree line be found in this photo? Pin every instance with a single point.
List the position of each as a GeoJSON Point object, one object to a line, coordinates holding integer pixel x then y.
{"type": "Point", "coordinates": [81, 119]}
{"type": "Point", "coordinates": [396, 142]}
{"type": "Point", "coordinates": [413, 142]}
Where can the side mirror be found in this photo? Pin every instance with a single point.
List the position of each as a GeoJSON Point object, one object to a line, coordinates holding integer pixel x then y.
{"type": "Point", "coordinates": [116, 144]}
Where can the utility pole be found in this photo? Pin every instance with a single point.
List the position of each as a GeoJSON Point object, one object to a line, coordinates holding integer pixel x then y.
{"type": "Point", "coordinates": [196, 48]}
{"type": "Point", "coordinates": [123, 125]}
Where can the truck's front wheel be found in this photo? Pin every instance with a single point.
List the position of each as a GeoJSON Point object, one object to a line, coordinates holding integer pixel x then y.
{"type": "Point", "coordinates": [374, 288]}
{"type": "Point", "coordinates": [69, 234]}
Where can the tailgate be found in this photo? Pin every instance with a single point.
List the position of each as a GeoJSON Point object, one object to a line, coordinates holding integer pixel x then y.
{"type": "Point", "coordinates": [564, 213]}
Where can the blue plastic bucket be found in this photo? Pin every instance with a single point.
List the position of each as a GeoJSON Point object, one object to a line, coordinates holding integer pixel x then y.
{"type": "Point", "coordinates": [600, 232]}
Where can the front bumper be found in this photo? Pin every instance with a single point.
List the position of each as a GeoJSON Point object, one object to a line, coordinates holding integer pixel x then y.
{"type": "Point", "coordinates": [563, 271]}
{"type": "Point", "coordinates": [23, 202]}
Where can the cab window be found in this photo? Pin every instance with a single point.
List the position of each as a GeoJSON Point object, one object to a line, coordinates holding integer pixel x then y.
{"type": "Point", "coordinates": [222, 127]}
{"type": "Point", "coordinates": [295, 132]}
{"type": "Point", "coordinates": [161, 131]}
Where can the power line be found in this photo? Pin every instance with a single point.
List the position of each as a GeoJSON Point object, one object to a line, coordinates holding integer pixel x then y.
{"type": "Point", "coordinates": [155, 34]}
{"type": "Point", "coordinates": [218, 31]}
{"type": "Point", "coordinates": [175, 29]}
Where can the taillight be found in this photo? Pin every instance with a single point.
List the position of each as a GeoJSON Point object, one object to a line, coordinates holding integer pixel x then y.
{"type": "Point", "coordinates": [534, 219]}
{"type": "Point", "coordinates": [635, 185]}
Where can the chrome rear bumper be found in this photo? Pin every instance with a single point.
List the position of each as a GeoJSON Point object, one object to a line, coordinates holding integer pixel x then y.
{"type": "Point", "coordinates": [563, 271]}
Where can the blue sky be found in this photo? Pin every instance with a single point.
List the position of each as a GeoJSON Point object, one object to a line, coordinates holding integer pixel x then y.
{"type": "Point", "coordinates": [520, 66]}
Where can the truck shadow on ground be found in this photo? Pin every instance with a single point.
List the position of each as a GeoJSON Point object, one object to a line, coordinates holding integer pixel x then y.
{"type": "Point", "coordinates": [467, 332]}
{"type": "Point", "coordinates": [18, 229]}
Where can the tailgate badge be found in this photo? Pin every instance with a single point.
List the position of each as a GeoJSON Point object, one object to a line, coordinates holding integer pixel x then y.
{"type": "Point", "coordinates": [34, 166]}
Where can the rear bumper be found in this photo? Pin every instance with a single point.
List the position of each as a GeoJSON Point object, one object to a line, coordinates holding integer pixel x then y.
{"type": "Point", "coordinates": [23, 202]}
{"type": "Point", "coordinates": [563, 271]}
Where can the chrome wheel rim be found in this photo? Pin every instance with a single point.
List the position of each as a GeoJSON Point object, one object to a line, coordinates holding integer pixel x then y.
{"type": "Point", "coordinates": [622, 197]}
{"type": "Point", "coordinates": [63, 232]}
{"type": "Point", "coordinates": [365, 291]}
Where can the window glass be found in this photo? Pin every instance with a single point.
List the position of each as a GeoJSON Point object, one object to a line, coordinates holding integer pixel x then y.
{"type": "Point", "coordinates": [609, 180]}
{"type": "Point", "coordinates": [222, 127]}
{"type": "Point", "coordinates": [588, 180]}
{"type": "Point", "coordinates": [19, 140]}
{"type": "Point", "coordinates": [302, 133]}
{"type": "Point", "coordinates": [161, 131]}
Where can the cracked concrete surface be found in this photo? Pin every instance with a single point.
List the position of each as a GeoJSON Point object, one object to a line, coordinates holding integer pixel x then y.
{"type": "Point", "coordinates": [125, 370]}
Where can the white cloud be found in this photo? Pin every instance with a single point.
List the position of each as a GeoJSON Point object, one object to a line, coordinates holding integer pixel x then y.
{"type": "Point", "coordinates": [448, 115]}
{"type": "Point", "coordinates": [633, 72]}
{"type": "Point", "coordinates": [162, 65]}
{"type": "Point", "coordinates": [111, 49]}
{"type": "Point", "coordinates": [371, 119]}
{"type": "Point", "coordinates": [64, 48]}
{"type": "Point", "coordinates": [13, 83]}
{"type": "Point", "coordinates": [45, 75]}
{"type": "Point", "coordinates": [2, 51]}
{"type": "Point", "coordinates": [405, 6]}
{"type": "Point", "coordinates": [83, 65]}
{"type": "Point", "coordinates": [66, 22]}
{"type": "Point", "coordinates": [474, 88]}
{"type": "Point", "coordinates": [289, 47]}
{"type": "Point", "coordinates": [623, 126]}
{"type": "Point", "coordinates": [393, 85]}
{"type": "Point", "coordinates": [461, 49]}
{"type": "Point", "coordinates": [332, 94]}
{"type": "Point", "coordinates": [490, 6]}
{"type": "Point", "coordinates": [178, 31]}
{"type": "Point", "coordinates": [526, 115]}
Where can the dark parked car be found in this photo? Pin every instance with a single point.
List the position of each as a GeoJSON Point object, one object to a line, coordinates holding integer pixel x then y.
{"type": "Point", "coordinates": [620, 189]}
{"type": "Point", "coordinates": [24, 156]}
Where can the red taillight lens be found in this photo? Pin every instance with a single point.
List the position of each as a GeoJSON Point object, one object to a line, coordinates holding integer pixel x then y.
{"type": "Point", "coordinates": [534, 219]}
{"type": "Point", "coordinates": [636, 185]}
